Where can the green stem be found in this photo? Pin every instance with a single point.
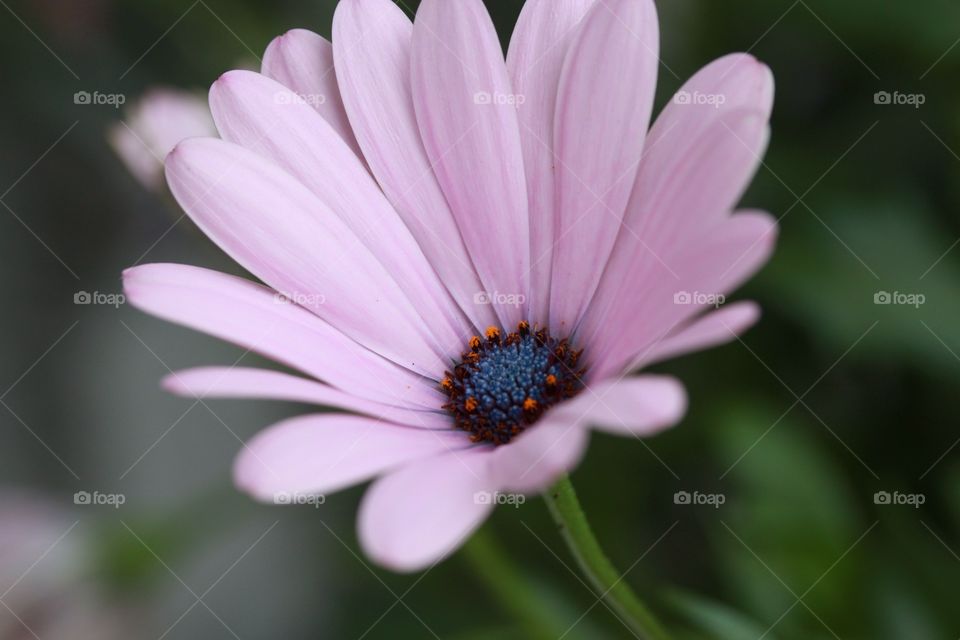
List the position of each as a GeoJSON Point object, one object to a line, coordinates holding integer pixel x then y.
{"type": "Point", "coordinates": [515, 594]}
{"type": "Point", "coordinates": [607, 581]}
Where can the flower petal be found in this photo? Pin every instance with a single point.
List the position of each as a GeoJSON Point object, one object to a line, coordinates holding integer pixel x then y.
{"type": "Point", "coordinates": [713, 266]}
{"type": "Point", "coordinates": [603, 111]}
{"type": "Point", "coordinates": [245, 382]}
{"type": "Point", "coordinates": [538, 47]}
{"type": "Point", "coordinates": [265, 117]}
{"type": "Point", "coordinates": [254, 317]}
{"type": "Point", "coordinates": [706, 109]}
{"type": "Point", "coordinates": [730, 83]}
{"type": "Point", "coordinates": [319, 454]}
{"type": "Point", "coordinates": [423, 512]}
{"type": "Point", "coordinates": [470, 130]}
{"type": "Point", "coordinates": [153, 126]}
{"type": "Point", "coordinates": [638, 406]}
{"type": "Point", "coordinates": [303, 62]}
{"type": "Point", "coordinates": [534, 460]}
{"type": "Point", "coordinates": [691, 198]}
{"type": "Point", "coordinates": [709, 330]}
{"type": "Point", "coordinates": [375, 84]}
{"type": "Point", "coordinates": [277, 229]}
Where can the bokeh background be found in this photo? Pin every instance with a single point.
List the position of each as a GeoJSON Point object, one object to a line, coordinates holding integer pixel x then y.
{"type": "Point", "coordinates": [830, 400]}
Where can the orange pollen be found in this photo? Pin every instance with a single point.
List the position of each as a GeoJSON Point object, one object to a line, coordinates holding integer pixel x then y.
{"type": "Point", "coordinates": [492, 333]}
{"type": "Point", "coordinates": [551, 380]}
{"type": "Point", "coordinates": [470, 404]}
{"type": "Point", "coordinates": [529, 404]}
{"type": "Point", "coordinates": [475, 342]}
{"type": "Point", "coordinates": [447, 384]}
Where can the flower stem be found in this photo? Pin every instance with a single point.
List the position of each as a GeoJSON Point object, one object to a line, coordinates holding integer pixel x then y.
{"type": "Point", "coordinates": [607, 581]}
{"type": "Point", "coordinates": [519, 596]}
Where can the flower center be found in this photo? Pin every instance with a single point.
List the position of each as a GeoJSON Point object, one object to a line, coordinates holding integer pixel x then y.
{"type": "Point", "coordinates": [504, 383]}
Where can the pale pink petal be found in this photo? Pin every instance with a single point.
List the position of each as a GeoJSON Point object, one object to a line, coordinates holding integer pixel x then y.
{"type": "Point", "coordinates": [638, 406]}
{"type": "Point", "coordinates": [715, 265]}
{"type": "Point", "coordinates": [244, 382]}
{"type": "Point", "coordinates": [698, 190]}
{"type": "Point", "coordinates": [302, 61]}
{"type": "Point", "coordinates": [277, 229]}
{"type": "Point", "coordinates": [715, 124]}
{"type": "Point", "coordinates": [152, 128]}
{"type": "Point", "coordinates": [320, 454]}
{"type": "Point", "coordinates": [371, 46]}
{"type": "Point", "coordinates": [603, 111]}
{"type": "Point", "coordinates": [733, 82]}
{"type": "Point", "coordinates": [536, 458]}
{"type": "Point", "coordinates": [721, 161]}
{"type": "Point", "coordinates": [675, 151]}
{"type": "Point", "coordinates": [263, 116]}
{"type": "Point", "coordinates": [416, 516]}
{"type": "Point", "coordinates": [710, 330]}
{"type": "Point", "coordinates": [462, 96]}
{"type": "Point", "coordinates": [538, 47]}
{"type": "Point", "coordinates": [258, 319]}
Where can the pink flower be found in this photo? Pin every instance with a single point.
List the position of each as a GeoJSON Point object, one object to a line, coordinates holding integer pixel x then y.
{"type": "Point", "coordinates": [465, 253]}
{"type": "Point", "coordinates": [152, 128]}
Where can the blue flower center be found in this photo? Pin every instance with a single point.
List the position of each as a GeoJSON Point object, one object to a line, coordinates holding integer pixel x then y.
{"type": "Point", "coordinates": [504, 383]}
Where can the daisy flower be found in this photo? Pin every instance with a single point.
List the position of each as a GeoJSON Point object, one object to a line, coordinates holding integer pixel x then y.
{"type": "Point", "coordinates": [467, 254]}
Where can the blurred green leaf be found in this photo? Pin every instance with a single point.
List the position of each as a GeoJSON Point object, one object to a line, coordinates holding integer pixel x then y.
{"type": "Point", "coordinates": [716, 621]}
{"type": "Point", "coordinates": [790, 518]}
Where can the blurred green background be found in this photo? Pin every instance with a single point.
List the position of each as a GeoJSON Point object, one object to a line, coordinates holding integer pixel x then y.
{"type": "Point", "coordinates": [830, 400]}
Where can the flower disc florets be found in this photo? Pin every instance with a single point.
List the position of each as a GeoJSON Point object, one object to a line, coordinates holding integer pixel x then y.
{"type": "Point", "coordinates": [504, 383]}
